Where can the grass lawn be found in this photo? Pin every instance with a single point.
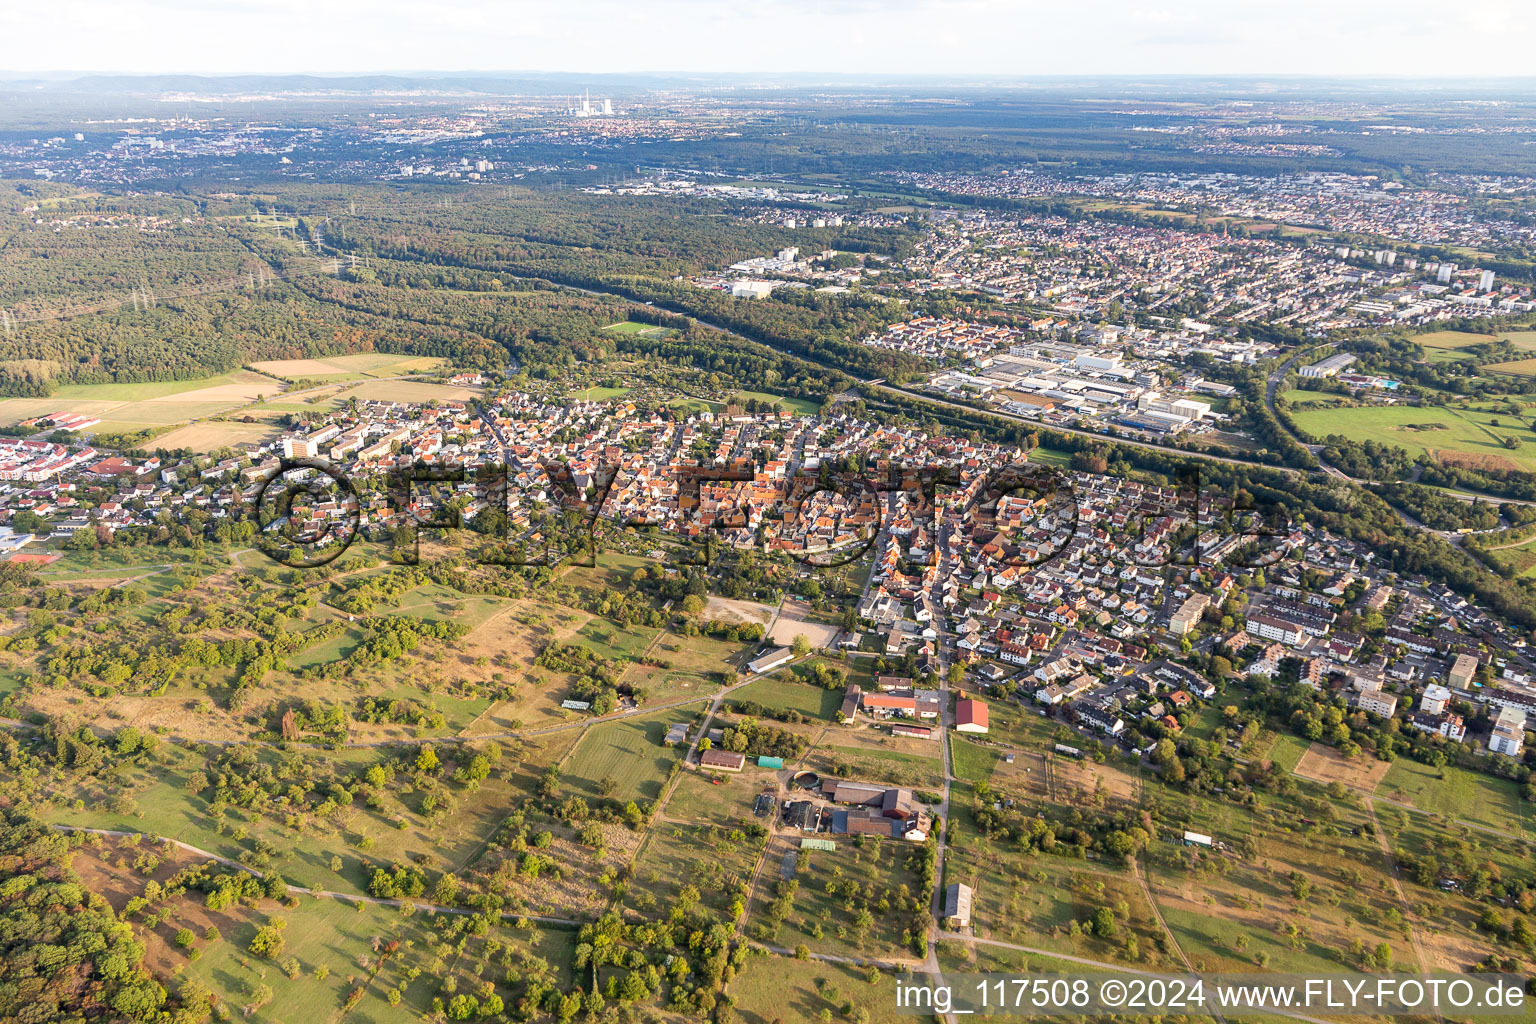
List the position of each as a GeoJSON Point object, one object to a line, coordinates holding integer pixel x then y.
{"type": "Point", "coordinates": [973, 761]}
{"type": "Point", "coordinates": [134, 406]}
{"type": "Point", "coordinates": [1521, 558]}
{"type": "Point", "coordinates": [801, 406]}
{"type": "Point", "coordinates": [631, 327]}
{"type": "Point", "coordinates": [778, 988]}
{"type": "Point", "coordinates": [693, 406]}
{"type": "Point", "coordinates": [334, 934]}
{"type": "Point", "coordinates": [436, 603]}
{"type": "Point", "coordinates": [892, 767]}
{"type": "Point", "coordinates": [1428, 428]}
{"type": "Point", "coordinates": [1287, 750]}
{"type": "Point", "coordinates": [824, 922]}
{"type": "Point", "coordinates": [1320, 397]}
{"type": "Point", "coordinates": [697, 798]}
{"type": "Point", "coordinates": [357, 366]}
{"type": "Point", "coordinates": [716, 861]}
{"type": "Point", "coordinates": [781, 692]}
{"type": "Point", "coordinates": [629, 752]}
{"type": "Point", "coordinates": [599, 394]}
{"type": "Point", "coordinates": [1461, 794]}
{"type": "Point", "coordinates": [1050, 457]}
{"type": "Point", "coordinates": [1452, 339]}
{"type": "Point", "coordinates": [611, 640]}
{"type": "Point", "coordinates": [158, 802]}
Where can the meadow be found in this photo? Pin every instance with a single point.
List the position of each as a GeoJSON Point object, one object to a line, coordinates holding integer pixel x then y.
{"type": "Point", "coordinates": [823, 922]}
{"type": "Point", "coordinates": [357, 366]}
{"type": "Point", "coordinates": [715, 861]}
{"type": "Point", "coordinates": [301, 848]}
{"type": "Point", "coordinates": [628, 753]}
{"type": "Point", "coordinates": [772, 988]}
{"type": "Point", "coordinates": [1459, 794]}
{"type": "Point", "coordinates": [1445, 346]}
{"type": "Point", "coordinates": [1475, 432]}
{"type": "Point", "coordinates": [1521, 558]}
{"type": "Point", "coordinates": [785, 695]}
{"type": "Point", "coordinates": [134, 406]}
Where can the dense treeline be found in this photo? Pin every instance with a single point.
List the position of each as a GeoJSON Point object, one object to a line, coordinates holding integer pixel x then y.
{"type": "Point", "coordinates": [1438, 510]}
{"type": "Point", "coordinates": [64, 955]}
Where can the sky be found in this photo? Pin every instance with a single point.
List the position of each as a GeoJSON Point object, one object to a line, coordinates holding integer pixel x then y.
{"type": "Point", "coordinates": [1416, 38]}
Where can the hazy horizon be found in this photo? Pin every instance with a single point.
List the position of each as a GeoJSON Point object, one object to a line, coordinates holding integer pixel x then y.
{"type": "Point", "coordinates": [964, 38]}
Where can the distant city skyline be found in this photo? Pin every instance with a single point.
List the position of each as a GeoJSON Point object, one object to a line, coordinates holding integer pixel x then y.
{"type": "Point", "coordinates": [1416, 38]}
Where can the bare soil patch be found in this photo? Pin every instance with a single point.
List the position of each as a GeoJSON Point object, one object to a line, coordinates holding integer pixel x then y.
{"type": "Point", "coordinates": [1473, 460]}
{"type": "Point", "coordinates": [818, 634]}
{"type": "Point", "coordinates": [1324, 764]}
{"type": "Point", "coordinates": [724, 609]}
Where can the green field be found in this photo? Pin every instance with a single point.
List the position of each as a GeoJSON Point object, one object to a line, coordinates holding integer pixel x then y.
{"type": "Point", "coordinates": [437, 603]}
{"type": "Point", "coordinates": [1521, 558]}
{"type": "Point", "coordinates": [158, 802]}
{"type": "Point", "coordinates": [358, 366]}
{"type": "Point", "coordinates": [135, 406]}
{"type": "Point", "coordinates": [1457, 793]}
{"type": "Point", "coordinates": [693, 406]}
{"type": "Point", "coordinates": [1050, 457]}
{"type": "Point", "coordinates": [334, 935]}
{"type": "Point", "coordinates": [892, 767]}
{"type": "Point", "coordinates": [1428, 428]}
{"type": "Point", "coordinates": [826, 923]}
{"type": "Point", "coordinates": [1446, 346]}
{"type": "Point", "coordinates": [1452, 339]}
{"type": "Point", "coordinates": [777, 988]}
{"type": "Point", "coordinates": [973, 761]}
{"type": "Point", "coordinates": [784, 694]}
{"type": "Point", "coordinates": [611, 640]}
{"type": "Point", "coordinates": [716, 861]}
{"type": "Point", "coordinates": [628, 752]}
{"type": "Point", "coordinates": [633, 327]}
{"type": "Point", "coordinates": [598, 394]}
{"type": "Point", "coordinates": [1287, 750]}
{"type": "Point", "coordinates": [801, 406]}
{"type": "Point", "coordinates": [1320, 397]}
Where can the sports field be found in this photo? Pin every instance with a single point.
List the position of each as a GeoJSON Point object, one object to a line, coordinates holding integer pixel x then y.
{"type": "Point", "coordinates": [1446, 432]}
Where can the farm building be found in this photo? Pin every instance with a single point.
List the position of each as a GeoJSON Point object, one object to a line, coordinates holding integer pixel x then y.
{"type": "Point", "coordinates": [772, 660]}
{"type": "Point", "coordinates": [970, 716]}
{"type": "Point", "coordinates": [723, 760]}
{"type": "Point", "coordinates": [850, 708]}
{"type": "Point", "coordinates": [957, 905]}
{"type": "Point", "coordinates": [884, 705]}
{"type": "Point", "coordinates": [803, 815]}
